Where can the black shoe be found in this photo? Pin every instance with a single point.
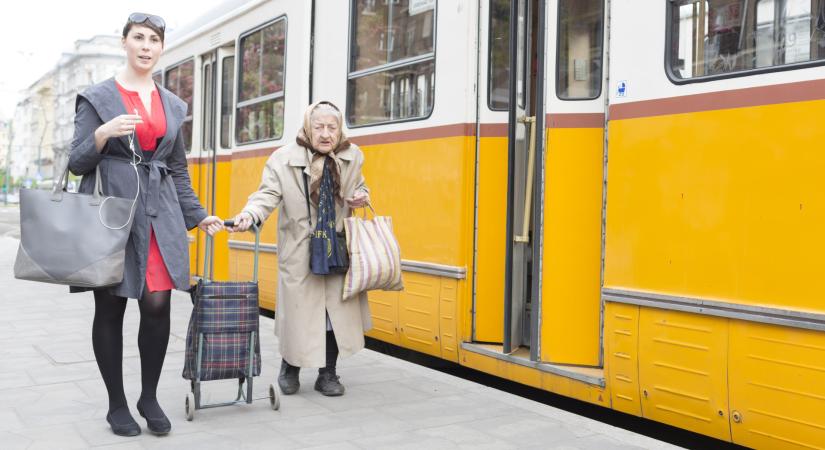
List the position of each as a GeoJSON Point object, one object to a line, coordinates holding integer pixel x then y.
{"type": "Point", "coordinates": [288, 378]}
{"type": "Point", "coordinates": [328, 383]}
{"type": "Point", "coordinates": [157, 423]}
{"type": "Point", "coordinates": [128, 428]}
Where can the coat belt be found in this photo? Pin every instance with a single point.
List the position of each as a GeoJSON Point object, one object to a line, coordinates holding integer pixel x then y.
{"type": "Point", "coordinates": [157, 172]}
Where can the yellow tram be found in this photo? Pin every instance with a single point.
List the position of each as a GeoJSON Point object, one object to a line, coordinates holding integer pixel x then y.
{"type": "Point", "coordinates": [614, 200]}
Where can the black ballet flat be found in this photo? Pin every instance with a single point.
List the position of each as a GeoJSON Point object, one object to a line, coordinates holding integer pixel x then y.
{"type": "Point", "coordinates": [123, 429]}
{"type": "Point", "coordinates": [157, 425]}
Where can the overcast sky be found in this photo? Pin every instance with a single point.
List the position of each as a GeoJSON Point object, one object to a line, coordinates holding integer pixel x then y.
{"type": "Point", "coordinates": [34, 33]}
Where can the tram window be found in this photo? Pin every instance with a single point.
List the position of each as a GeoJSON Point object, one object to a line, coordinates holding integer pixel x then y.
{"type": "Point", "coordinates": [227, 92]}
{"type": "Point", "coordinates": [716, 37]}
{"type": "Point", "coordinates": [392, 61]}
{"type": "Point", "coordinates": [498, 60]}
{"type": "Point", "coordinates": [579, 64]}
{"type": "Point", "coordinates": [180, 79]}
{"type": "Point", "coordinates": [260, 110]}
{"type": "Point", "coordinates": [158, 77]}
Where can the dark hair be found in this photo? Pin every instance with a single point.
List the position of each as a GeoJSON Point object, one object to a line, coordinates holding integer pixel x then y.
{"type": "Point", "coordinates": [146, 23]}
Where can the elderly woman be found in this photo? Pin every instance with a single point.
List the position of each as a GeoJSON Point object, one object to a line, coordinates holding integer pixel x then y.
{"type": "Point", "coordinates": [313, 321]}
{"type": "Point", "coordinates": [109, 116]}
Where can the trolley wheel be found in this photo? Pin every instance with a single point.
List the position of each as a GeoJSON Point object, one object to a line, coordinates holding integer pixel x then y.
{"type": "Point", "coordinates": [190, 406]}
{"type": "Point", "coordinates": [274, 400]}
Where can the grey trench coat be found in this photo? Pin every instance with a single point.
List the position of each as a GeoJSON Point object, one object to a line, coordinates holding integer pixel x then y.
{"type": "Point", "coordinates": [303, 297]}
{"type": "Point", "coordinates": [166, 203]}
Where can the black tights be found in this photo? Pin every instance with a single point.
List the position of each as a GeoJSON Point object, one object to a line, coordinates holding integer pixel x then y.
{"type": "Point", "coordinates": [153, 338]}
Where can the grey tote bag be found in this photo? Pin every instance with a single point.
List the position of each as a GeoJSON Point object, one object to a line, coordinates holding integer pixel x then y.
{"type": "Point", "coordinates": [73, 239]}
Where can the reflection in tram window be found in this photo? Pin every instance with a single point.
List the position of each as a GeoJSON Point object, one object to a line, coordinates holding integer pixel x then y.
{"type": "Point", "coordinates": [227, 92]}
{"type": "Point", "coordinates": [499, 57]}
{"type": "Point", "coordinates": [260, 114]}
{"type": "Point", "coordinates": [722, 36]}
{"type": "Point", "coordinates": [580, 49]}
{"type": "Point", "coordinates": [180, 80]}
{"type": "Point", "coordinates": [392, 66]}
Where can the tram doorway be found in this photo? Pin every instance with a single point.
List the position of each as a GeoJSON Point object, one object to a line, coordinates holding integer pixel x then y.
{"type": "Point", "coordinates": [216, 84]}
{"type": "Point", "coordinates": [521, 291]}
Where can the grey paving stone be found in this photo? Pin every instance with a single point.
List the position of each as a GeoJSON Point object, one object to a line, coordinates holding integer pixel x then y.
{"type": "Point", "coordinates": [13, 441]}
{"type": "Point", "coordinates": [51, 394]}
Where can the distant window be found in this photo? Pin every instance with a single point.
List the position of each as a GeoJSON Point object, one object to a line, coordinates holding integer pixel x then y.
{"type": "Point", "coordinates": [180, 79]}
{"type": "Point", "coordinates": [580, 49]}
{"type": "Point", "coordinates": [499, 57]}
{"type": "Point", "coordinates": [715, 37]}
{"type": "Point", "coordinates": [392, 61]}
{"type": "Point", "coordinates": [260, 109]}
{"type": "Point", "coordinates": [227, 94]}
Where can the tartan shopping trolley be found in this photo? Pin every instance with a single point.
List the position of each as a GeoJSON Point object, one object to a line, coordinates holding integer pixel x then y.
{"type": "Point", "coordinates": [222, 341]}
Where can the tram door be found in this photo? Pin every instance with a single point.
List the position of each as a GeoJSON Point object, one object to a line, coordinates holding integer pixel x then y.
{"type": "Point", "coordinates": [205, 149]}
{"type": "Point", "coordinates": [217, 79]}
{"type": "Point", "coordinates": [520, 324]}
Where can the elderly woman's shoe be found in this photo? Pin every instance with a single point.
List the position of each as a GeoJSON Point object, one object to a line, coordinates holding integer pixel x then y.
{"type": "Point", "coordinates": [288, 378]}
{"type": "Point", "coordinates": [328, 383]}
{"type": "Point", "coordinates": [122, 422]}
{"type": "Point", "coordinates": [156, 420]}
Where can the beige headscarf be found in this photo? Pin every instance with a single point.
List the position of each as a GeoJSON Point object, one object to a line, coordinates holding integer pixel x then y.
{"type": "Point", "coordinates": [319, 157]}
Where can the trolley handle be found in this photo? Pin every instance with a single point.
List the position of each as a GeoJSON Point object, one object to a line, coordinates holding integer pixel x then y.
{"type": "Point", "coordinates": [210, 244]}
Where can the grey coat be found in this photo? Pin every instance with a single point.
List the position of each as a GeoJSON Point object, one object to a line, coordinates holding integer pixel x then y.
{"type": "Point", "coordinates": [166, 203]}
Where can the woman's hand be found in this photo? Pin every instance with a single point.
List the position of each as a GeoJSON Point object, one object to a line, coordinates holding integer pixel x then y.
{"type": "Point", "coordinates": [211, 225]}
{"type": "Point", "coordinates": [119, 126]}
{"type": "Point", "coordinates": [358, 200]}
{"type": "Point", "coordinates": [242, 222]}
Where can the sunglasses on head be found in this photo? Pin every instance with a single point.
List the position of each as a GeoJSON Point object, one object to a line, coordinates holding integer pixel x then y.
{"type": "Point", "coordinates": [139, 18]}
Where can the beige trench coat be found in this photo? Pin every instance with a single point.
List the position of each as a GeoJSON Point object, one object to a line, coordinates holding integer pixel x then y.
{"type": "Point", "coordinates": [303, 297]}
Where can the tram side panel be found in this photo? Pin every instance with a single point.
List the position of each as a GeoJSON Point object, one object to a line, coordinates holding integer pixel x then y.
{"type": "Point", "coordinates": [714, 209]}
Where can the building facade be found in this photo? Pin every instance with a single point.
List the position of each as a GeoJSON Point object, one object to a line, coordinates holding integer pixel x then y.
{"type": "Point", "coordinates": [44, 119]}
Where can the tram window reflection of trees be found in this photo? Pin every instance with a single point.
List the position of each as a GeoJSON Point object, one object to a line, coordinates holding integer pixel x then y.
{"type": "Point", "coordinates": [260, 110]}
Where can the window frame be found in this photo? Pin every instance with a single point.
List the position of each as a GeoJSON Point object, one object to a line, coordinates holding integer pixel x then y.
{"type": "Point", "coordinates": [190, 110]}
{"type": "Point", "coordinates": [239, 79]}
{"type": "Point", "coordinates": [671, 75]}
{"type": "Point", "coordinates": [231, 101]}
{"type": "Point", "coordinates": [558, 56]}
{"type": "Point", "coordinates": [490, 59]}
{"type": "Point", "coordinates": [388, 67]}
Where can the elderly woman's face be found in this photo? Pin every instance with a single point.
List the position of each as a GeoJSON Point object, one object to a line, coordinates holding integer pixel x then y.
{"type": "Point", "coordinates": [325, 131]}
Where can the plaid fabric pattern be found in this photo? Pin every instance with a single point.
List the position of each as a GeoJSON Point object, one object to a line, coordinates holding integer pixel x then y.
{"type": "Point", "coordinates": [225, 313]}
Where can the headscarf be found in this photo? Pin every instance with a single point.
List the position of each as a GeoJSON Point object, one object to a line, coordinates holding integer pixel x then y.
{"type": "Point", "coordinates": [320, 158]}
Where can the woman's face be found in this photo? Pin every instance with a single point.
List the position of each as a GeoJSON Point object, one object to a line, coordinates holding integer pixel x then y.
{"type": "Point", "coordinates": [143, 48]}
{"type": "Point", "coordinates": [325, 130]}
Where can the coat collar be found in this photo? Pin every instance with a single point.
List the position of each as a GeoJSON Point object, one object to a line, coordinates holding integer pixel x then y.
{"type": "Point", "coordinates": [105, 98]}
{"type": "Point", "coordinates": [300, 156]}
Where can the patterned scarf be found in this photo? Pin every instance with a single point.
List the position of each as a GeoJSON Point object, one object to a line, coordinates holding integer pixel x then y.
{"type": "Point", "coordinates": [325, 190]}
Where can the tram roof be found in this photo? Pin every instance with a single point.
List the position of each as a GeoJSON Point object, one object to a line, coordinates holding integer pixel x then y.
{"type": "Point", "coordinates": [208, 20]}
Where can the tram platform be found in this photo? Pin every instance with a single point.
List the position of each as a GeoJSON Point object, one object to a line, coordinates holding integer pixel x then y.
{"type": "Point", "coordinates": [52, 396]}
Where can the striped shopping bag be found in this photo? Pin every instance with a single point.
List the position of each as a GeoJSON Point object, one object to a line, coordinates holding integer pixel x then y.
{"type": "Point", "coordinates": [375, 257]}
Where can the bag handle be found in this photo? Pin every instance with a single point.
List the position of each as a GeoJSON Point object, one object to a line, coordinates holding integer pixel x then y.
{"type": "Point", "coordinates": [208, 257]}
{"type": "Point", "coordinates": [306, 196]}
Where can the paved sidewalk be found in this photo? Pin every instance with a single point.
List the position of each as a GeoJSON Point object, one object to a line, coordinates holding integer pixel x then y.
{"type": "Point", "coordinates": [51, 394]}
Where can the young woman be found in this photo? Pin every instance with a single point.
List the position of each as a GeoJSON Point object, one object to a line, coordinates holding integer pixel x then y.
{"type": "Point", "coordinates": [313, 321]}
{"type": "Point", "coordinates": [123, 120]}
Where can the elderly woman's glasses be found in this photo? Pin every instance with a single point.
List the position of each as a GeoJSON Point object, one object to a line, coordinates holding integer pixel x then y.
{"type": "Point", "coordinates": [139, 18]}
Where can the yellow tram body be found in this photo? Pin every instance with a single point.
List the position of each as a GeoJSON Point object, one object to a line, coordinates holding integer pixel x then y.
{"type": "Point", "coordinates": [673, 232]}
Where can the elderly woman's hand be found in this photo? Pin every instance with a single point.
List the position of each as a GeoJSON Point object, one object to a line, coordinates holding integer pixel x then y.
{"type": "Point", "coordinates": [358, 200]}
{"type": "Point", "coordinates": [242, 222]}
{"type": "Point", "coordinates": [211, 225]}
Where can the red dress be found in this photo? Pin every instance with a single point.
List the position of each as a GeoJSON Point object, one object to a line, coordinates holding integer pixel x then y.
{"type": "Point", "coordinates": [149, 132]}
